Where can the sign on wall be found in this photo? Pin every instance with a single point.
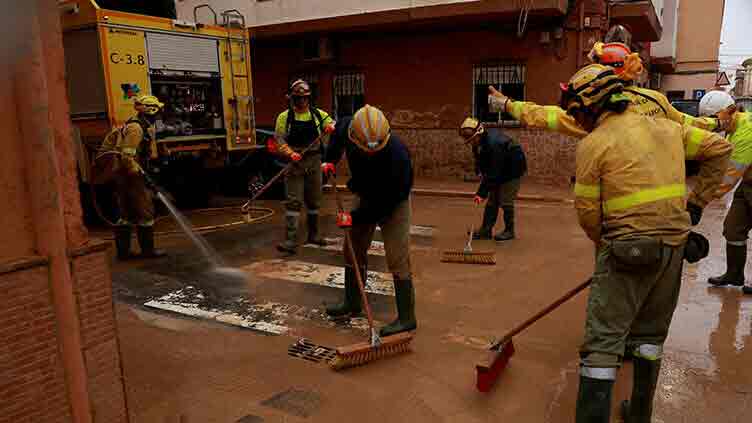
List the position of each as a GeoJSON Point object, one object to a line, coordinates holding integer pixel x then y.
{"type": "Point", "coordinates": [697, 94]}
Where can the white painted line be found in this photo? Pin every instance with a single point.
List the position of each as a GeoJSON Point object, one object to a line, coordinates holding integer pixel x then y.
{"type": "Point", "coordinates": [376, 249]}
{"type": "Point", "coordinates": [318, 274]}
{"type": "Point", "coordinates": [419, 230]}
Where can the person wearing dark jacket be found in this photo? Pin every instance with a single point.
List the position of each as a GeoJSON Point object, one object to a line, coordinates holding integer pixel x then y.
{"type": "Point", "coordinates": [381, 177]}
{"type": "Point", "coordinates": [500, 162]}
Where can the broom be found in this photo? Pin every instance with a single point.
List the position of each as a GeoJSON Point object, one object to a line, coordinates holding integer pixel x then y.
{"type": "Point", "coordinates": [377, 347]}
{"type": "Point", "coordinates": [503, 349]}
{"type": "Point", "coordinates": [467, 255]}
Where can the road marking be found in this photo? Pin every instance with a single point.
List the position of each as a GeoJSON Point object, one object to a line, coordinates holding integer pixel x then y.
{"type": "Point", "coordinates": [376, 249]}
{"type": "Point", "coordinates": [318, 274]}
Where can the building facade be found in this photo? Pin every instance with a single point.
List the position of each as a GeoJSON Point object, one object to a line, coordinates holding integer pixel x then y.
{"type": "Point", "coordinates": [428, 64]}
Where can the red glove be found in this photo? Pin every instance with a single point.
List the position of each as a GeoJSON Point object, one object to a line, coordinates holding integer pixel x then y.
{"type": "Point", "coordinates": [328, 129]}
{"type": "Point", "coordinates": [328, 169]}
{"type": "Point", "coordinates": [271, 145]}
{"type": "Point", "coordinates": [344, 220]}
{"type": "Point", "coordinates": [477, 200]}
{"type": "Point", "coordinates": [295, 157]}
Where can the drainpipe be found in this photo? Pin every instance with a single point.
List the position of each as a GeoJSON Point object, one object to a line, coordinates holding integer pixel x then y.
{"type": "Point", "coordinates": [45, 189]}
{"type": "Point", "coordinates": [580, 30]}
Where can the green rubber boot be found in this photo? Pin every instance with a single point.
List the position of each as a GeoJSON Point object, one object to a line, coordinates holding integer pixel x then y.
{"type": "Point", "coordinates": [314, 237]}
{"type": "Point", "coordinates": [352, 304]}
{"type": "Point", "coordinates": [146, 242]}
{"type": "Point", "coordinates": [290, 245]}
{"type": "Point", "coordinates": [123, 242]}
{"type": "Point", "coordinates": [508, 233]}
{"type": "Point", "coordinates": [404, 293]}
{"type": "Point", "coordinates": [639, 409]}
{"type": "Point", "coordinates": [594, 400]}
{"type": "Point", "coordinates": [736, 258]}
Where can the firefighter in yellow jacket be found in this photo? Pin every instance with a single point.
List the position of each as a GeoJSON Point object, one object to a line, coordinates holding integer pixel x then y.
{"type": "Point", "coordinates": [627, 66]}
{"type": "Point", "coordinates": [738, 222]}
{"type": "Point", "coordinates": [134, 196]}
{"type": "Point", "coordinates": [630, 201]}
{"type": "Point", "coordinates": [297, 128]}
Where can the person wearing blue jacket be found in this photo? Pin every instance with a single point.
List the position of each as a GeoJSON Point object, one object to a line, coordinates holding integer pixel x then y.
{"type": "Point", "coordinates": [381, 177]}
{"type": "Point", "coordinates": [501, 163]}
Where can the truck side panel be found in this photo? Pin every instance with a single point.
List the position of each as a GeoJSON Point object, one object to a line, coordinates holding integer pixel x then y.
{"type": "Point", "coordinates": [125, 57]}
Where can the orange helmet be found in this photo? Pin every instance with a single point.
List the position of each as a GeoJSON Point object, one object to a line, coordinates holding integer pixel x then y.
{"type": "Point", "coordinates": [626, 64]}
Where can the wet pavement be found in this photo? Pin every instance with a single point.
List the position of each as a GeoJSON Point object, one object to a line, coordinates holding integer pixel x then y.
{"type": "Point", "coordinates": [190, 370]}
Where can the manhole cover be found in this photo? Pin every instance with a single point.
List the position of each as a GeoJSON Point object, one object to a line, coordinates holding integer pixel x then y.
{"type": "Point", "coordinates": [307, 350]}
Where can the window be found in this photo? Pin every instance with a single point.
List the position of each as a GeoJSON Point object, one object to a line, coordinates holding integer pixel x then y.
{"type": "Point", "coordinates": [311, 78]}
{"type": "Point", "coordinates": [507, 77]}
{"type": "Point", "coordinates": [349, 93]}
{"type": "Point", "coordinates": [675, 95]}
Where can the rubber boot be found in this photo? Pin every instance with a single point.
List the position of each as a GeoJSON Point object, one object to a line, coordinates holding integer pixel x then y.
{"type": "Point", "coordinates": [290, 245]}
{"type": "Point", "coordinates": [313, 230]}
{"type": "Point", "coordinates": [639, 409]}
{"type": "Point", "coordinates": [508, 233]}
{"type": "Point", "coordinates": [404, 293]}
{"type": "Point", "coordinates": [146, 242]}
{"type": "Point", "coordinates": [490, 214]}
{"type": "Point", "coordinates": [594, 400]}
{"type": "Point", "coordinates": [352, 304]}
{"type": "Point", "coordinates": [123, 242]}
{"type": "Point", "coordinates": [747, 290]}
{"type": "Point", "coordinates": [736, 258]}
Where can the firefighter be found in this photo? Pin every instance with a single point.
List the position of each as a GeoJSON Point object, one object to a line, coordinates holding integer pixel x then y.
{"type": "Point", "coordinates": [500, 162]}
{"type": "Point", "coordinates": [630, 200]}
{"type": "Point", "coordinates": [627, 66]}
{"type": "Point", "coordinates": [738, 222]}
{"type": "Point", "coordinates": [132, 187]}
{"type": "Point", "coordinates": [297, 128]}
{"type": "Point", "coordinates": [381, 177]}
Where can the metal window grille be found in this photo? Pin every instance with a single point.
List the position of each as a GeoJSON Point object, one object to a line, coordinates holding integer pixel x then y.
{"type": "Point", "coordinates": [508, 77]}
{"type": "Point", "coordinates": [349, 93]}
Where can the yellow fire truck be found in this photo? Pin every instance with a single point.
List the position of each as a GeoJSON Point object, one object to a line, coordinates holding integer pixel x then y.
{"type": "Point", "coordinates": [202, 72]}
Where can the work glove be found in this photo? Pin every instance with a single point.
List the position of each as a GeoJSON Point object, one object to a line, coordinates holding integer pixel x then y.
{"type": "Point", "coordinates": [271, 146]}
{"type": "Point", "coordinates": [497, 101]}
{"type": "Point", "coordinates": [697, 247]}
{"type": "Point", "coordinates": [477, 200]}
{"type": "Point", "coordinates": [296, 157]}
{"type": "Point", "coordinates": [328, 169]}
{"type": "Point", "coordinates": [344, 219]}
{"type": "Point", "coordinates": [328, 129]}
{"type": "Point", "coordinates": [695, 213]}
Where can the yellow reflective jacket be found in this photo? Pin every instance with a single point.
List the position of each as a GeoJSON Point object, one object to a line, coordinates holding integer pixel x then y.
{"type": "Point", "coordinates": [643, 101]}
{"type": "Point", "coordinates": [280, 128]}
{"type": "Point", "coordinates": [740, 136]}
{"type": "Point", "coordinates": [631, 180]}
{"type": "Point", "coordinates": [131, 144]}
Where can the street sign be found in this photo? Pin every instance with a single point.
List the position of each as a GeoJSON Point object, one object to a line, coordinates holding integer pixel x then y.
{"type": "Point", "coordinates": [697, 94]}
{"type": "Point", "coordinates": [722, 80]}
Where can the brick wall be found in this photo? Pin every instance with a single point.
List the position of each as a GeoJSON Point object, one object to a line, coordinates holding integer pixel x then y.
{"type": "Point", "coordinates": [93, 290]}
{"type": "Point", "coordinates": [440, 153]}
{"type": "Point", "coordinates": [32, 385]}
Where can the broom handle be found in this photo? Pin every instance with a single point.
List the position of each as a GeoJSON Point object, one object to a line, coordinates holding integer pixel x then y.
{"type": "Point", "coordinates": [354, 260]}
{"type": "Point", "coordinates": [551, 307]}
{"type": "Point", "coordinates": [281, 172]}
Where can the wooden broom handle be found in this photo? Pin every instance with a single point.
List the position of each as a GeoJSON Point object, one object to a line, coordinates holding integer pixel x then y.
{"type": "Point", "coordinates": [551, 307]}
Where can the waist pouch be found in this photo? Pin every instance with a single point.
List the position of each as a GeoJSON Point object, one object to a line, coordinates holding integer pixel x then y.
{"type": "Point", "coordinates": [635, 255]}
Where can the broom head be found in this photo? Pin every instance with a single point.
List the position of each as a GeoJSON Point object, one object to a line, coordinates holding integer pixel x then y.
{"type": "Point", "coordinates": [468, 257]}
{"type": "Point", "coordinates": [488, 372]}
{"type": "Point", "coordinates": [364, 353]}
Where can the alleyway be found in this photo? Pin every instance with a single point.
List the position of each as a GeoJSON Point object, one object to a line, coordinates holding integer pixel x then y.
{"type": "Point", "coordinates": [191, 370]}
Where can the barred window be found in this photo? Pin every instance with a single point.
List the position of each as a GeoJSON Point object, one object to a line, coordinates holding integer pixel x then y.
{"type": "Point", "coordinates": [311, 78]}
{"type": "Point", "coordinates": [349, 93]}
{"type": "Point", "coordinates": [509, 78]}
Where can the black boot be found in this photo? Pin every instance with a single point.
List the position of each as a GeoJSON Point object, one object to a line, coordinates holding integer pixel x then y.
{"type": "Point", "coordinates": [490, 214]}
{"type": "Point", "coordinates": [747, 290]}
{"type": "Point", "coordinates": [146, 242]}
{"type": "Point", "coordinates": [594, 400]}
{"type": "Point", "coordinates": [404, 293]}
{"type": "Point", "coordinates": [313, 230]}
{"type": "Point", "coordinates": [736, 258]}
{"type": "Point", "coordinates": [290, 245]}
{"type": "Point", "coordinates": [352, 305]}
{"type": "Point", "coordinates": [639, 409]}
{"type": "Point", "coordinates": [508, 225]}
{"type": "Point", "coordinates": [123, 242]}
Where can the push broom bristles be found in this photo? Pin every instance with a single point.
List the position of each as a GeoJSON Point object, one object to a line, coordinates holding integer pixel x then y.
{"type": "Point", "coordinates": [487, 373]}
{"type": "Point", "coordinates": [476, 257]}
{"type": "Point", "coordinates": [363, 353]}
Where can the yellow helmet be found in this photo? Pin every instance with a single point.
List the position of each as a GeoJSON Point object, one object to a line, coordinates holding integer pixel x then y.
{"type": "Point", "coordinates": [369, 129]}
{"type": "Point", "coordinates": [148, 104]}
{"type": "Point", "coordinates": [590, 86]}
{"type": "Point", "coordinates": [470, 128]}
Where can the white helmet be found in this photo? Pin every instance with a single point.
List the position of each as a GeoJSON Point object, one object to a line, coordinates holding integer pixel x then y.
{"type": "Point", "coordinates": [715, 101]}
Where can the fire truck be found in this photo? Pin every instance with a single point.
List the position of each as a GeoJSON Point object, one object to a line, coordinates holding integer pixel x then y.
{"type": "Point", "coordinates": [202, 72]}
